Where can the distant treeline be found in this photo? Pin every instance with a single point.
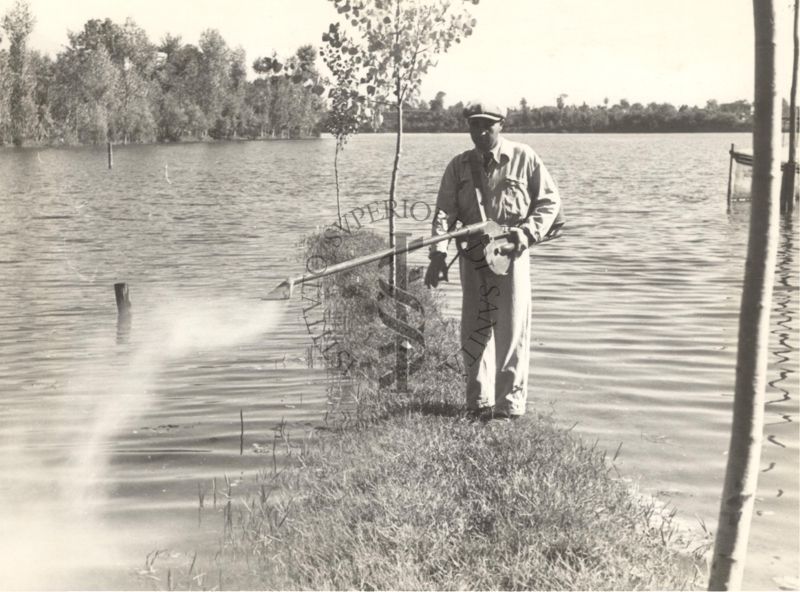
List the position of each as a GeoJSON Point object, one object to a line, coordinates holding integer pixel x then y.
{"type": "Point", "coordinates": [111, 83]}
{"type": "Point", "coordinates": [622, 117]}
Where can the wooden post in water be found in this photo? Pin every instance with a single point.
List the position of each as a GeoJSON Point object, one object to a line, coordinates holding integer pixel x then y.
{"type": "Point", "coordinates": [789, 178]}
{"type": "Point", "coordinates": [123, 310]}
{"type": "Point", "coordinates": [241, 431]}
{"type": "Point", "coordinates": [123, 298]}
{"type": "Point", "coordinates": [110, 156]}
{"type": "Point", "coordinates": [730, 174]}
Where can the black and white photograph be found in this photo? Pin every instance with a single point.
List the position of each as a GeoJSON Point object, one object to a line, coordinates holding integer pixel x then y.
{"type": "Point", "coordinates": [399, 295]}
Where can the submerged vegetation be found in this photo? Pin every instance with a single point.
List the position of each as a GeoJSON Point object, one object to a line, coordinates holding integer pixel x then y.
{"type": "Point", "coordinates": [407, 492]}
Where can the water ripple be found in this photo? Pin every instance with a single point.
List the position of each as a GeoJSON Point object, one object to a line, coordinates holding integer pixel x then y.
{"type": "Point", "coordinates": [635, 311]}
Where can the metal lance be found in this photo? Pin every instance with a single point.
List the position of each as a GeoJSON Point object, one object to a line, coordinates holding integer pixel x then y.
{"type": "Point", "coordinates": [489, 232]}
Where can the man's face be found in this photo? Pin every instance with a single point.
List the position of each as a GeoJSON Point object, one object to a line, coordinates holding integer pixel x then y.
{"type": "Point", "coordinates": [484, 133]}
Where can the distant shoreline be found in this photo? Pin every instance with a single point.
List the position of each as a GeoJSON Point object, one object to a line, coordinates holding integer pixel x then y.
{"type": "Point", "coordinates": [32, 145]}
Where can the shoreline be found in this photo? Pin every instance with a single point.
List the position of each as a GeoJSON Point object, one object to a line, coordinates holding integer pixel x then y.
{"type": "Point", "coordinates": [33, 145]}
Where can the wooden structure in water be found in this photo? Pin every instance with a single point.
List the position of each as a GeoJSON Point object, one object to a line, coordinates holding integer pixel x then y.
{"type": "Point", "coordinates": [739, 172]}
{"type": "Point", "coordinates": [739, 181]}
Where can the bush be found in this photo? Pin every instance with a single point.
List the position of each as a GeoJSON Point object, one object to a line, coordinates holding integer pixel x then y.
{"type": "Point", "coordinates": [354, 300]}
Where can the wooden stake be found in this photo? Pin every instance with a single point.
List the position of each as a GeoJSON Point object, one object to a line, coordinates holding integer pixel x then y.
{"type": "Point", "coordinates": [110, 156]}
{"type": "Point", "coordinates": [730, 175]}
{"type": "Point", "coordinates": [241, 432]}
{"type": "Point", "coordinates": [123, 311]}
{"type": "Point", "coordinates": [793, 90]}
{"type": "Point", "coordinates": [401, 343]}
{"type": "Point", "coordinates": [123, 298]}
{"type": "Point", "coordinates": [789, 179]}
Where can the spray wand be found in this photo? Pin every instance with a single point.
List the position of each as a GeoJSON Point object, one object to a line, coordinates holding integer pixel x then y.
{"type": "Point", "coordinates": [492, 235]}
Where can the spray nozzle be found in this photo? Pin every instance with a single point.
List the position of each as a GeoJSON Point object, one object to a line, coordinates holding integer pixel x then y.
{"type": "Point", "coordinates": [282, 291]}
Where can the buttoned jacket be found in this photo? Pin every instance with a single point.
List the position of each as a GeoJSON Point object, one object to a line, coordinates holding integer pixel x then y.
{"type": "Point", "coordinates": [519, 191]}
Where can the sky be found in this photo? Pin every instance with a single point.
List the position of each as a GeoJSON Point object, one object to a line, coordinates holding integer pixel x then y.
{"type": "Point", "coordinates": [678, 51]}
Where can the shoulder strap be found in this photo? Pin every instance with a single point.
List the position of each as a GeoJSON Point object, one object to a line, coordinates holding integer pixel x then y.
{"type": "Point", "coordinates": [478, 181]}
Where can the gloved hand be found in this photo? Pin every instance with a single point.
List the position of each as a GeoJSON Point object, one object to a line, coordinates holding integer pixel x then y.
{"type": "Point", "coordinates": [518, 238]}
{"type": "Point", "coordinates": [437, 269]}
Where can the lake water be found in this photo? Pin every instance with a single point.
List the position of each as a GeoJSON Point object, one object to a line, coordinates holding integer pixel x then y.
{"type": "Point", "coordinates": [106, 439]}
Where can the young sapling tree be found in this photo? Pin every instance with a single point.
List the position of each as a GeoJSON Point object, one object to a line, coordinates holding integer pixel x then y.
{"type": "Point", "coordinates": [382, 49]}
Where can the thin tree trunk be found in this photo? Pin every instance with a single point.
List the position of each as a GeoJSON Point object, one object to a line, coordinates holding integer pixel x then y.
{"type": "Point", "coordinates": [793, 91]}
{"type": "Point", "coordinates": [741, 475]}
{"type": "Point", "coordinates": [790, 172]}
{"type": "Point", "coordinates": [398, 147]}
{"type": "Point", "coordinates": [393, 186]}
{"type": "Point", "coordinates": [336, 175]}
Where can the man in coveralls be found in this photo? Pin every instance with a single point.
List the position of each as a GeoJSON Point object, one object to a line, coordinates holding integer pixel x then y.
{"type": "Point", "coordinates": [496, 310]}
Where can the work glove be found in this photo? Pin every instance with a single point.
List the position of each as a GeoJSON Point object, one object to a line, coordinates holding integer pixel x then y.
{"type": "Point", "coordinates": [437, 269]}
{"type": "Point", "coordinates": [518, 238]}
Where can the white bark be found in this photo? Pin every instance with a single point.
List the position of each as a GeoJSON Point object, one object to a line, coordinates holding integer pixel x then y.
{"type": "Point", "coordinates": [741, 475]}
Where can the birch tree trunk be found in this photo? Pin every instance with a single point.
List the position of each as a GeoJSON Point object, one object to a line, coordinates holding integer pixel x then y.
{"type": "Point", "coordinates": [741, 475]}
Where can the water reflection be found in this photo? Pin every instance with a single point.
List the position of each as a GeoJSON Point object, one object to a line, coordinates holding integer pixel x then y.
{"type": "Point", "coordinates": [636, 311]}
{"type": "Point", "coordinates": [785, 313]}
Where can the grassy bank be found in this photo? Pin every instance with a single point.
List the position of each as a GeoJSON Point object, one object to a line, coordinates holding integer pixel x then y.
{"type": "Point", "coordinates": [424, 501]}
{"type": "Point", "coordinates": [415, 495]}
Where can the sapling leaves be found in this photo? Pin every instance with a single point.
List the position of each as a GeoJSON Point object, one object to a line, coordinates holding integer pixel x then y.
{"type": "Point", "coordinates": [382, 49]}
{"type": "Point", "coordinates": [378, 54]}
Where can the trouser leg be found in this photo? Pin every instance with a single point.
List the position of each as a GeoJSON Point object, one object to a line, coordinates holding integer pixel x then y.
{"type": "Point", "coordinates": [512, 337]}
{"type": "Point", "coordinates": [478, 316]}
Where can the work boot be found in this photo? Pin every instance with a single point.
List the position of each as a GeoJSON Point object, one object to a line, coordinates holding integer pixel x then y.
{"type": "Point", "coordinates": [505, 416]}
{"type": "Point", "coordinates": [481, 413]}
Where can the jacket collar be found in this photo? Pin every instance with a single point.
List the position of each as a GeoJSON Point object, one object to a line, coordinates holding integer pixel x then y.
{"type": "Point", "coordinates": [501, 149]}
